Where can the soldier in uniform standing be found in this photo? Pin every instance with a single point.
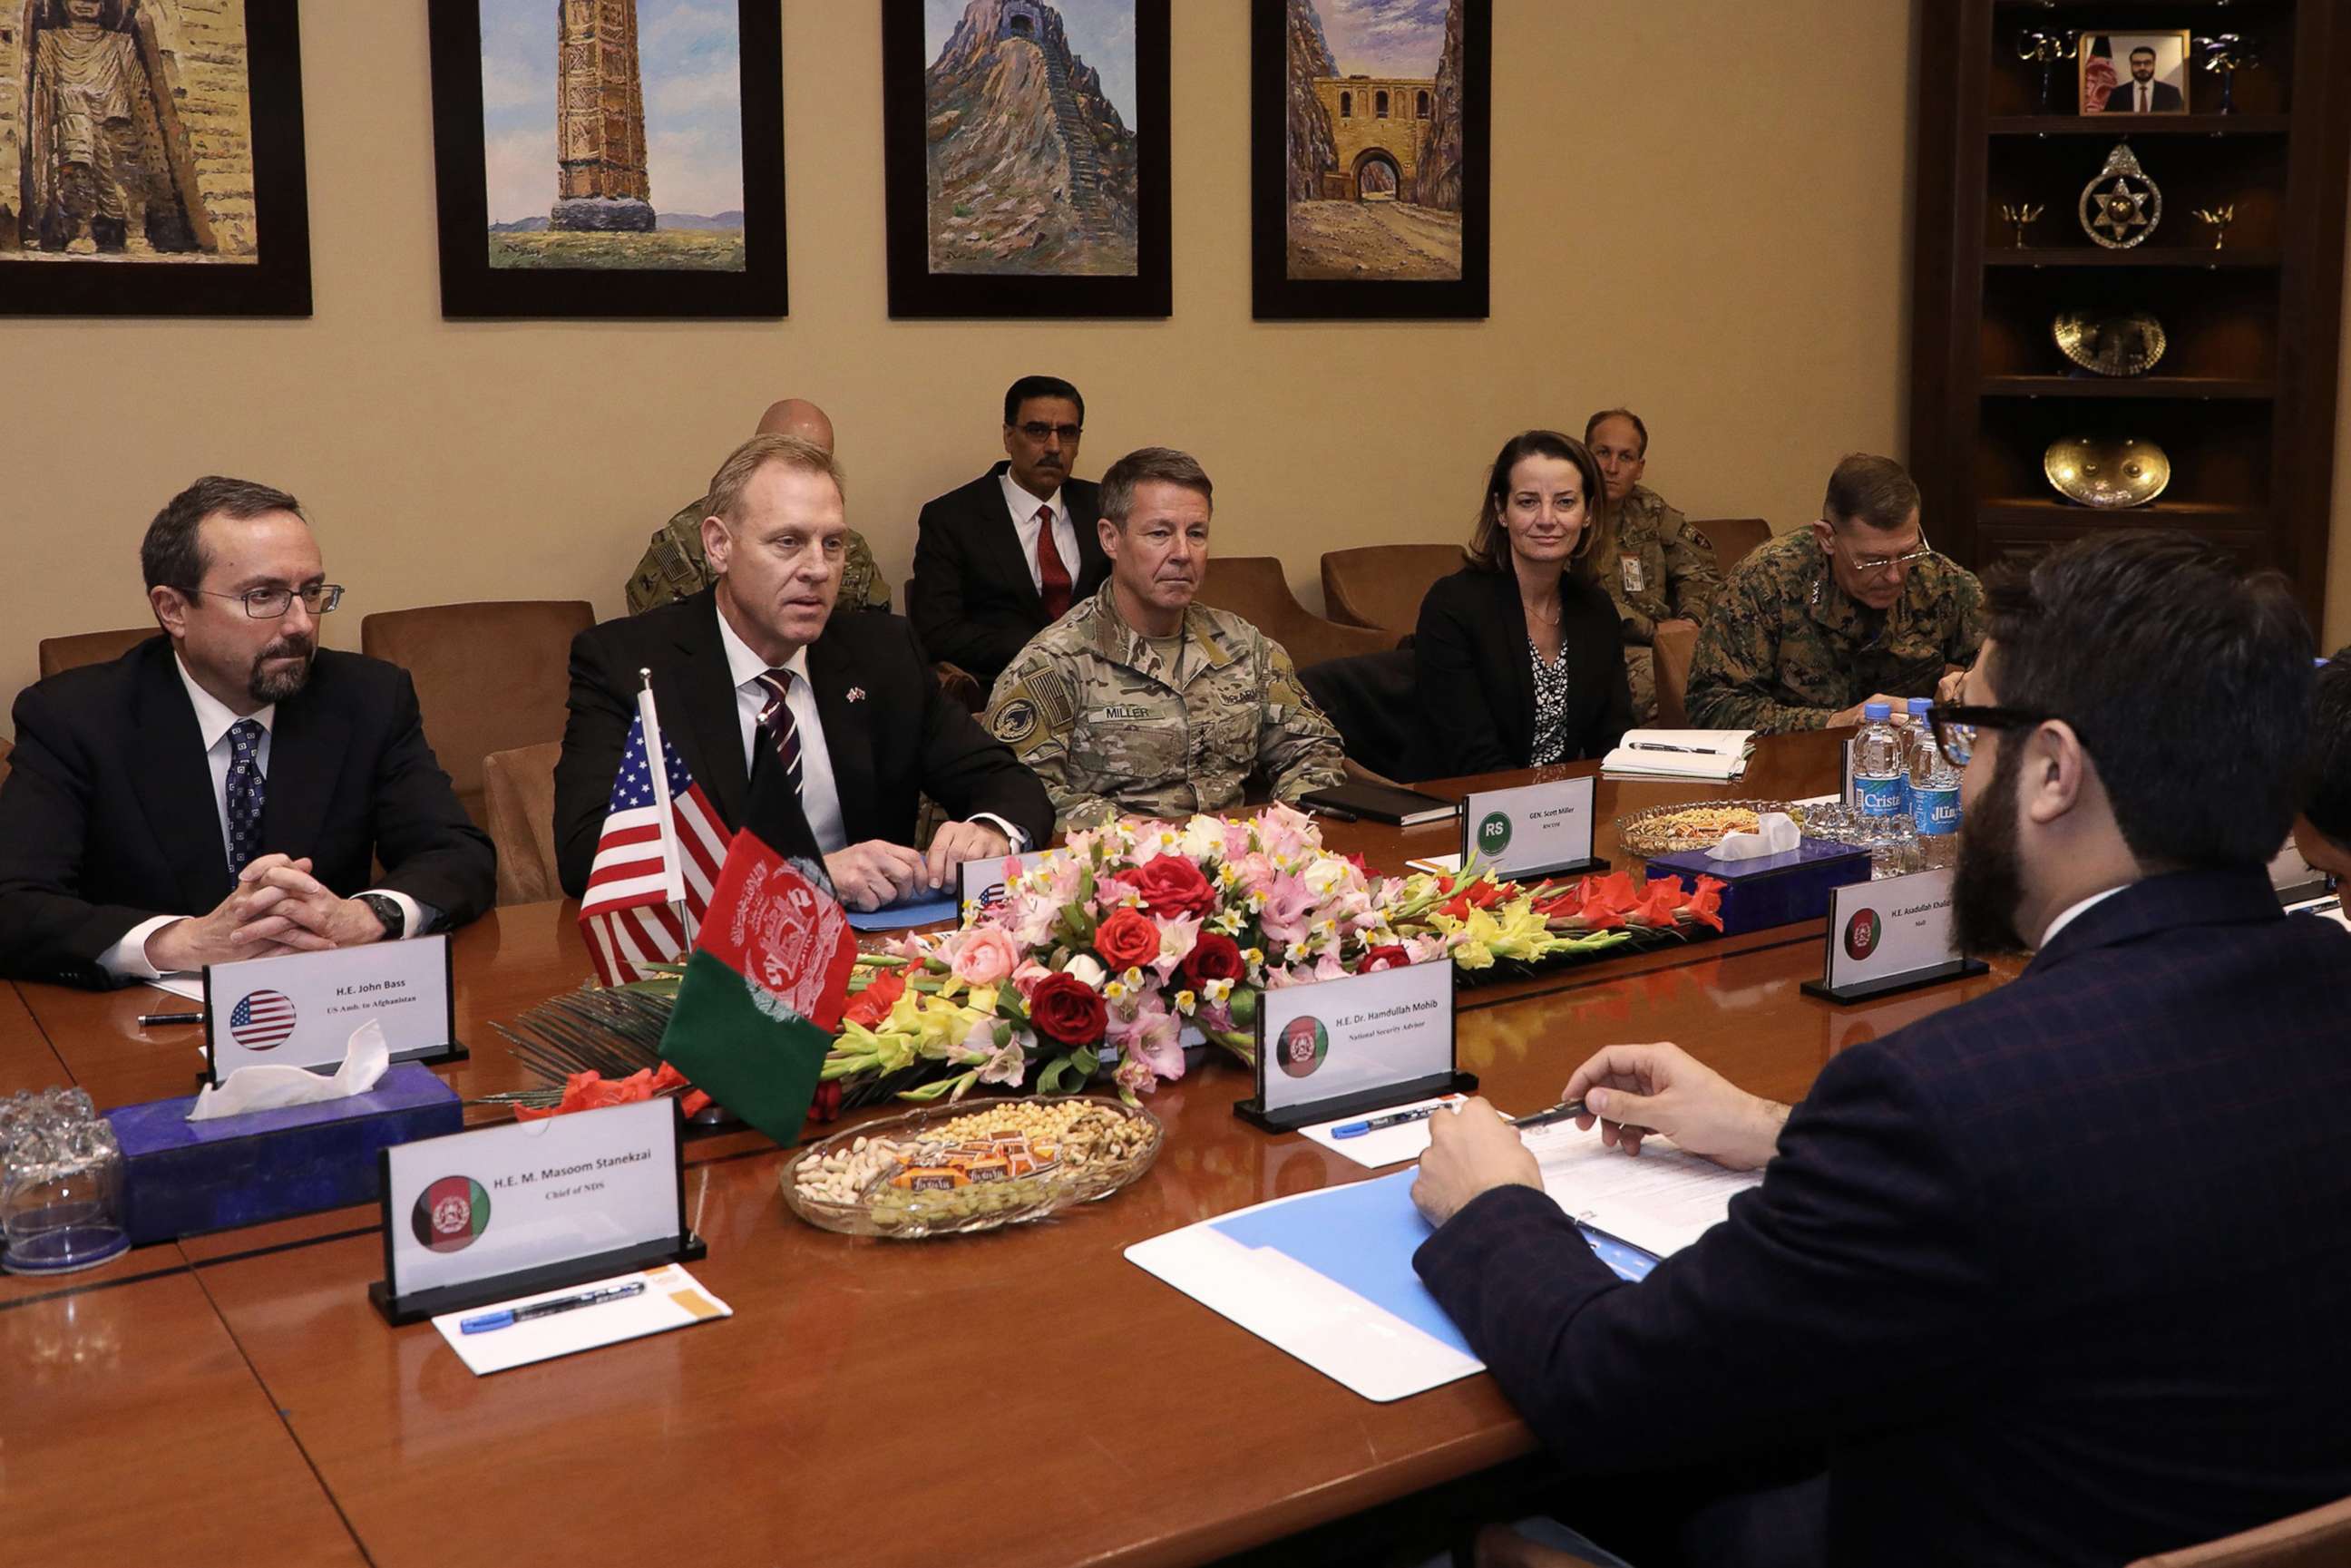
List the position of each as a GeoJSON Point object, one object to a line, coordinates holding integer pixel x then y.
{"type": "Point", "coordinates": [1858, 608]}
{"type": "Point", "coordinates": [1663, 574]}
{"type": "Point", "coordinates": [1140, 701]}
{"type": "Point", "coordinates": [673, 566]}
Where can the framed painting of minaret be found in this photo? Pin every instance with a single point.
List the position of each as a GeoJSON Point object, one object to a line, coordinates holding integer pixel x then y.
{"type": "Point", "coordinates": [1368, 153]}
{"type": "Point", "coordinates": [1024, 150]}
{"type": "Point", "coordinates": [609, 158]}
{"type": "Point", "coordinates": [150, 158]}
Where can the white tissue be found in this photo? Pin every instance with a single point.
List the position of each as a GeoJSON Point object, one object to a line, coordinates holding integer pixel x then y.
{"type": "Point", "coordinates": [1775, 835]}
{"type": "Point", "coordinates": [275, 1088]}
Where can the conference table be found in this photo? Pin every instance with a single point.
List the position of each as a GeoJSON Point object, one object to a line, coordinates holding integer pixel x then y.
{"type": "Point", "coordinates": [1022, 1397]}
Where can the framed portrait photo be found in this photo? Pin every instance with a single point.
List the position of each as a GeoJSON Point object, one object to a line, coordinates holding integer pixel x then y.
{"type": "Point", "coordinates": [609, 158]}
{"type": "Point", "coordinates": [1024, 148]}
{"type": "Point", "coordinates": [2134, 73]}
{"type": "Point", "coordinates": [150, 158]}
{"type": "Point", "coordinates": [1368, 146]}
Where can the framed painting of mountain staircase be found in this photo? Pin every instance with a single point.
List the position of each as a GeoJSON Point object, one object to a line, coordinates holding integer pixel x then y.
{"type": "Point", "coordinates": [1025, 153]}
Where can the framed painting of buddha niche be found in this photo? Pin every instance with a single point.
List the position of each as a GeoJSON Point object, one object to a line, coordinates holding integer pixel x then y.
{"type": "Point", "coordinates": [150, 158]}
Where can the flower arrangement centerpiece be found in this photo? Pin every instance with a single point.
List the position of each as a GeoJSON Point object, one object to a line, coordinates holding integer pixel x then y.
{"type": "Point", "coordinates": [1136, 936]}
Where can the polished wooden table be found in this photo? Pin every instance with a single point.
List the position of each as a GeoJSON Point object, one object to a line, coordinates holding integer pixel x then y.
{"type": "Point", "coordinates": [1026, 1397]}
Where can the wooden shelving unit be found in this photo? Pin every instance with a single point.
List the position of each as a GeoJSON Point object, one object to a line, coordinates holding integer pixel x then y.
{"type": "Point", "coordinates": [2243, 401]}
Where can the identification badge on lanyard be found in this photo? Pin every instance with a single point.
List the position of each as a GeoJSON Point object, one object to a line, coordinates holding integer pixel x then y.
{"type": "Point", "coordinates": [1637, 580]}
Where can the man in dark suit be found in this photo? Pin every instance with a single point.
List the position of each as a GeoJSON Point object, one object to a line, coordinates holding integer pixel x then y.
{"type": "Point", "coordinates": [2142, 94]}
{"type": "Point", "coordinates": [2055, 1276]}
{"type": "Point", "coordinates": [1003, 558]}
{"type": "Point", "coordinates": [818, 737]}
{"type": "Point", "coordinates": [219, 792]}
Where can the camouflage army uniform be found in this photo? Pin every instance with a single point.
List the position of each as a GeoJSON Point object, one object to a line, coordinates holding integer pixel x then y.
{"type": "Point", "coordinates": [673, 568]}
{"type": "Point", "coordinates": [1664, 570]}
{"type": "Point", "coordinates": [1787, 649]}
{"type": "Point", "coordinates": [1092, 707]}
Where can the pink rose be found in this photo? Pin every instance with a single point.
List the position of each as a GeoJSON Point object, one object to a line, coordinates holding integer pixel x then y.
{"type": "Point", "coordinates": [987, 957]}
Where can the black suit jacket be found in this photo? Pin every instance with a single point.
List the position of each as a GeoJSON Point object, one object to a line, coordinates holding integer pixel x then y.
{"type": "Point", "coordinates": [898, 740]}
{"type": "Point", "coordinates": [2166, 97]}
{"type": "Point", "coordinates": [109, 818]}
{"type": "Point", "coordinates": [2057, 1276]}
{"type": "Point", "coordinates": [1476, 679]}
{"type": "Point", "coordinates": [970, 595]}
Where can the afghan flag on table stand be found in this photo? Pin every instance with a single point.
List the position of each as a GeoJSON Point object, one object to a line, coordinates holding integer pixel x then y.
{"type": "Point", "coordinates": [763, 990]}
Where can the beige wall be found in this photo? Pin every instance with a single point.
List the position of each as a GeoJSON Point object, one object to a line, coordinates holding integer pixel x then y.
{"type": "Point", "coordinates": [1738, 274]}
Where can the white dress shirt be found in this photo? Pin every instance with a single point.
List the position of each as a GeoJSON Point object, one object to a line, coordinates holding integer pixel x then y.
{"type": "Point", "coordinates": [127, 959]}
{"type": "Point", "coordinates": [2071, 912]}
{"type": "Point", "coordinates": [1023, 507]}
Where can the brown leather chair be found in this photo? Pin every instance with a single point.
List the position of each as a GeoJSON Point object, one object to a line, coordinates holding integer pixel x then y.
{"type": "Point", "coordinates": [6, 745]}
{"type": "Point", "coordinates": [1672, 652]}
{"type": "Point", "coordinates": [2318, 1539]}
{"type": "Point", "coordinates": [1732, 538]}
{"type": "Point", "coordinates": [519, 812]}
{"type": "Point", "coordinates": [1383, 585]}
{"type": "Point", "coordinates": [489, 677]}
{"type": "Point", "coordinates": [72, 652]}
{"type": "Point", "coordinates": [1256, 588]}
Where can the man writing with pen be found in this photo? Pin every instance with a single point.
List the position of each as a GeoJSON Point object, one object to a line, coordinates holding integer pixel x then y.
{"type": "Point", "coordinates": [2057, 1275]}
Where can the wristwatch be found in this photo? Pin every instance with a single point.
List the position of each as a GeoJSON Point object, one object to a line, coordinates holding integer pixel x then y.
{"type": "Point", "coordinates": [388, 910]}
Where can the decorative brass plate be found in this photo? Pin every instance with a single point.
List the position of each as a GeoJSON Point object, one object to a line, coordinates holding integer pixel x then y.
{"type": "Point", "coordinates": [2118, 343]}
{"type": "Point", "coordinates": [2100, 471]}
{"type": "Point", "coordinates": [2121, 207]}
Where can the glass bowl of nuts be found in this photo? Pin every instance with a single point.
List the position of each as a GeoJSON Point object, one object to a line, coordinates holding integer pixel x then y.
{"type": "Point", "coordinates": [947, 1170]}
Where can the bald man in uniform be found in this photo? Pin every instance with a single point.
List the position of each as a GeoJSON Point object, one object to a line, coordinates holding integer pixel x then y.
{"type": "Point", "coordinates": [673, 566]}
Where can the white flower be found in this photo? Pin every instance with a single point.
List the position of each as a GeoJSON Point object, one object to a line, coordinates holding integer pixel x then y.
{"type": "Point", "coordinates": [1204, 839]}
{"type": "Point", "coordinates": [1084, 968]}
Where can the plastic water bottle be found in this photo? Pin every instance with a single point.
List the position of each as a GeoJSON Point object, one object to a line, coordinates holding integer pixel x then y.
{"type": "Point", "coordinates": [1881, 788]}
{"type": "Point", "coordinates": [1934, 794]}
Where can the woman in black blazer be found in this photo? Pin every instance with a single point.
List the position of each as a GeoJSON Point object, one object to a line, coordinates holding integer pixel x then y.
{"type": "Point", "coordinates": [1519, 658]}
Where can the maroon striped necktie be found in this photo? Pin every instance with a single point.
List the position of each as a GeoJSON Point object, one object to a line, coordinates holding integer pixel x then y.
{"type": "Point", "coordinates": [775, 720]}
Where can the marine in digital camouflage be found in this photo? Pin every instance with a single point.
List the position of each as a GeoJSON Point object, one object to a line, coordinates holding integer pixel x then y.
{"type": "Point", "coordinates": [1092, 706]}
{"type": "Point", "coordinates": [1787, 649]}
{"type": "Point", "coordinates": [673, 566]}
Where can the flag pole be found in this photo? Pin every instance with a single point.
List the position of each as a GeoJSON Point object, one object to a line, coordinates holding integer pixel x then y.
{"type": "Point", "coordinates": [657, 760]}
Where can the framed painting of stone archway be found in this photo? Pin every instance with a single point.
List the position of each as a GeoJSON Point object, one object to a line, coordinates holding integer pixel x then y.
{"type": "Point", "coordinates": [609, 158]}
{"type": "Point", "coordinates": [150, 158]}
{"type": "Point", "coordinates": [1024, 150]}
{"type": "Point", "coordinates": [1369, 148]}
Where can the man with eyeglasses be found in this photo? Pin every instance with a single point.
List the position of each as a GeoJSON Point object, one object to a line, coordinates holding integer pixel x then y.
{"type": "Point", "coordinates": [2057, 1274]}
{"type": "Point", "coordinates": [1821, 621]}
{"type": "Point", "coordinates": [1006, 556]}
{"type": "Point", "coordinates": [220, 791]}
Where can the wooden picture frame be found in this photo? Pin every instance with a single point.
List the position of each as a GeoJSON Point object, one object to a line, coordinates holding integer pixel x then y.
{"type": "Point", "coordinates": [173, 233]}
{"type": "Point", "coordinates": [2174, 68]}
{"type": "Point", "coordinates": [1103, 255]}
{"type": "Point", "coordinates": [1310, 237]}
{"type": "Point", "coordinates": [526, 283]}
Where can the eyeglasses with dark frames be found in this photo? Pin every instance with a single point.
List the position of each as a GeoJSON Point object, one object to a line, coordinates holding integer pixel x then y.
{"type": "Point", "coordinates": [271, 603]}
{"type": "Point", "coordinates": [1955, 726]}
{"type": "Point", "coordinates": [1038, 430]}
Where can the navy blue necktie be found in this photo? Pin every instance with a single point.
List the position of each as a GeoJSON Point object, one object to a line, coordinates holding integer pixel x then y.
{"type": "Point", "coordinates": [246, 791]}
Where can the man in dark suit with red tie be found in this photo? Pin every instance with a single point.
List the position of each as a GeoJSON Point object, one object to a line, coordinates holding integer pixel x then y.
{"type": "Point", "coordinates": [2140, 93]}
{"type": "Point", "coordinates": [1001, 558]}
{"type": "Point", "coordinates": [2057, 1275]}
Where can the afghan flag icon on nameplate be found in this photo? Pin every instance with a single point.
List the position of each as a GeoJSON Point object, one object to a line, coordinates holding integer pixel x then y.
{"type": "Point", "coordinates": [763, 990]}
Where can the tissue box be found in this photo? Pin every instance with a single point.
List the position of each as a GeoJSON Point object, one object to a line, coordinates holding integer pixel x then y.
{"type": "Point", "coordinates": [1772, 890]}
{"type": "Point", "coordinates": [183, 1177]}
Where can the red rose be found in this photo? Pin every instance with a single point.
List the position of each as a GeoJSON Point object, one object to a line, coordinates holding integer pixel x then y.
{"type": "Point", "coordinates": [871, 1005]}
{"type": "Point", "coordinates": [1068, 1009]}
{"type": "Point", "coordinates": [1390, 956]}
{"type": "Point", "coordinates": [1215, 956]}
{"type": "Point", "coordinates": [1127, 940]}
{"type": "Point", "coordinates": [1170, 884]}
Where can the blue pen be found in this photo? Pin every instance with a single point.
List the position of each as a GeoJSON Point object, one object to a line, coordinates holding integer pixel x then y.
{"type": "Point", "coordinates": [507, 1317]}
{"type": "Point", "coordinates": [1357, 1129]}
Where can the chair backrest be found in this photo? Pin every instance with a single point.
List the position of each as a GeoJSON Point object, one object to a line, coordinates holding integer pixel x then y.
{"type": "Point", "coordinates": [2318, 1539]}
{"type": "Point", "coordinates": [1254, 588]}
{"type": "Point", "coordinates": [6, 745]}
{"type": "Point", "coordinates": [1672, 652]}
{"type": "Point", "coordinates": [58, 653]}
{"type": "Point", "coordinates": [519, 812]}
{"type": "Point", "coordinates": [489, 677]}
{"type": "Point", "coordinates": [1732, 538]}
{"type": "Point", "coordinates": [1383, 585]}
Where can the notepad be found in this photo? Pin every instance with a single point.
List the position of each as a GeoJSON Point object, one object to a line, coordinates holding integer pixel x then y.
{"type": "Point", "coordinates": [1710, 756]}
{"type": "Point", "coordinates": [926, 910]}
{"type": "Point", "coordinates": [673, 1300]}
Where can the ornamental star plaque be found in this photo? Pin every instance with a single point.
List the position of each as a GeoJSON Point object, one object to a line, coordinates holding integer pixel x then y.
{"type": "Point", "coordinates": [2121, 207]}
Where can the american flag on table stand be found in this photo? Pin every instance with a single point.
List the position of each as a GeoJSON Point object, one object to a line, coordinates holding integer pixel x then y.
{"type": "Point", "coordinates": [655, 861]}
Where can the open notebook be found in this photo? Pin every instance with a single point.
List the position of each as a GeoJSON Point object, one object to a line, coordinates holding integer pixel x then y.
{"type": "Point", "coordinates": [1714, 755]}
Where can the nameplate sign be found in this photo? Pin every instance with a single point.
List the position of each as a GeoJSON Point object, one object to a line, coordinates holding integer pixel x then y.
{"type": "Point", "coordinates": [1536, 830]}
{"type": "Point", "coordinates": [298, 1009]}
{"type": "Point", "coordinates": [980, 885]}
{"type": "Point", "coordinates": [1360, 1043]}
{"type": "Point", "coordinates": [531, 1205]}
{"type": "Point", "coordinates": [1890, 936]}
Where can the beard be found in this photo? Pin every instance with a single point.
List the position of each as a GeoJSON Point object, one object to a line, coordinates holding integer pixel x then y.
{"type": "Point", "coordinates": [1988, 883]}
{"type": "Point", "coordinates": [267, 686]}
